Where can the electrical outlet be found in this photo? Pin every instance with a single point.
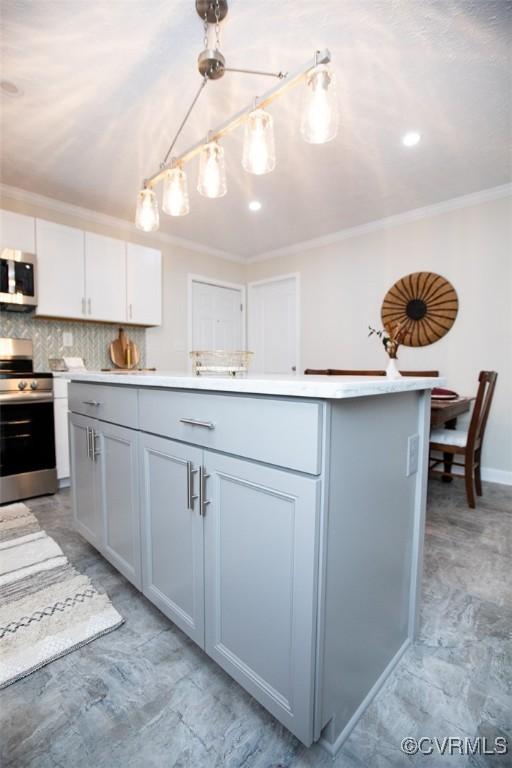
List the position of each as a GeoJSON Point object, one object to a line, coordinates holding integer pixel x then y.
{"type": "Point", "coordinates": [413, 450]}
{"type": "Point", "coordinates": [67, 339]}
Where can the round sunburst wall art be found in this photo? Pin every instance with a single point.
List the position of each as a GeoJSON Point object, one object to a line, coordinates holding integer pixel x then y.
{"type": "Point", "coordinates": [424, 305]}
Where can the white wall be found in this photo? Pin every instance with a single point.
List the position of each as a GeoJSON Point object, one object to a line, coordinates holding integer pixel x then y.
{"type": "Point", "coordinates": [343, 284]}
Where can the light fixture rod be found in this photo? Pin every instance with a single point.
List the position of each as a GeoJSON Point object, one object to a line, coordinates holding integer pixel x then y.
{"type": "Point", "coordinates": [290, 81]}
{"type": "Point", "coordinates": [182, 125]}
{"type": "Point", "coordinates": [280, 75]}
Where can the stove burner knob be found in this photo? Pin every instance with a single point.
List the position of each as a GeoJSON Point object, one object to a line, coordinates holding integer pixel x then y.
{"type": "Point", "coordinates": [33, 385]}
{"type": "Point", "coordinates": [22, 385]}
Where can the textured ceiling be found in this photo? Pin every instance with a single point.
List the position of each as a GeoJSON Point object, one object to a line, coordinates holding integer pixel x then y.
{"type": "Point", "coordinates": [106, 83]}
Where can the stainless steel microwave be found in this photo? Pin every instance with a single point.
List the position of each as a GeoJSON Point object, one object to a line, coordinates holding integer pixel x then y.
{"type": "Point", "coordinates": [18, 280]}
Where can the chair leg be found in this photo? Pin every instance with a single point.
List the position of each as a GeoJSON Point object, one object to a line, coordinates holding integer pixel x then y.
{"type": "Point", "coordinates": [468, 477]}
{"type": "Point", "coordinates": [478, 479]}
{"type": "Point", "coordinates": [447, 476]}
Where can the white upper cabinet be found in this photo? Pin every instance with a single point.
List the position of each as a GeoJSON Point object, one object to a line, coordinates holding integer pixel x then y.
{"type": "Point", "coordinates": [17, 231]}
{"type": "Point", "coordinates": [85, 276]}
{"type": "Point", "coordinates": [143, 285]}
{"type": "Point", "coordinates": [105, 278]}
{"type": "Point", "coordinates": [60, 265]}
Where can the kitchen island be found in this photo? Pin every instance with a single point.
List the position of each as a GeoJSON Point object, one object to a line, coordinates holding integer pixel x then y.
{"type": "Point", "coordinates": [278, 521]}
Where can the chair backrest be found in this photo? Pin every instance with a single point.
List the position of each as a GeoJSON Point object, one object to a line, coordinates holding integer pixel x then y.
{"type": "Point", "coordinates": [428, 374]}
{"type": "Point", "coordinates": [317, 372]}
{"type": "Point", "coordinates": [486, 386]}
{"type": "Point", "coordinates": [341, 372]}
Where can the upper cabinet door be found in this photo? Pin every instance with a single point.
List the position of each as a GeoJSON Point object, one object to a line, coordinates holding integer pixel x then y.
{"type": "Point", "coordinates": [143, 285]}
{"type": "Point", "coordinates": [17, 231]}
{"type": "Point", "coordinates": [105, 278]}
{"type": "Point", "coordinates": [60, 264]}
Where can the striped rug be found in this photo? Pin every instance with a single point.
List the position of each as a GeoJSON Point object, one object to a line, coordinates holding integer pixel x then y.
{"type": "Point", "coordinates": [47, 608]}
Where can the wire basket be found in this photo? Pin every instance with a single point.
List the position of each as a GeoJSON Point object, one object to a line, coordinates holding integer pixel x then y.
{"type": "Point", "coordinates": [220, 362]}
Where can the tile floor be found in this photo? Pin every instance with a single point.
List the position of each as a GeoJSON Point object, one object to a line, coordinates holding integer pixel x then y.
{"type": "Point", "coordinates": [145, 696]}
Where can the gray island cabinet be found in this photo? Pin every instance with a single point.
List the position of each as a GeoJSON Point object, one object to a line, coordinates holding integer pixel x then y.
{"type": "Point", "coordinates": [277, 522]}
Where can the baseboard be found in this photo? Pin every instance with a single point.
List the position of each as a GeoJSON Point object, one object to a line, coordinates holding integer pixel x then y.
{"type": "Point", "coordinates": [489, 475]}
{"type": "Point", "coordinates": [334, 748]}
{"type": "Point", "coordinates": [64, 482]}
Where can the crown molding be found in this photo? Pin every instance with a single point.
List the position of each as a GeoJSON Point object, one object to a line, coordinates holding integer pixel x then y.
{"type": "Point", "coordinates": [88, 215]}
{"type": "Point", "coordinates": [415, 214]}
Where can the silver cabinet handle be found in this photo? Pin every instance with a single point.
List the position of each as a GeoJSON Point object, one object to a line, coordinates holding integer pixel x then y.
{"type": "Point", "coordinates": [88, 442]}
{"type": "Point", "coordinates": [198, 423]}
{"type": "Point", "coordinates": [89, 305]}
{"type": "Point", "coordinates": [190, 486]}
{"type": "Point", "coordinates": [94, 450]}
{"type": "Point", "coordinates": [91, 402]}
{"type": "Point", "coordinates": [83, 306]}
{"type": "Point", "coordinates": [203, 501]}
{"type": "Point", "coordinates": [130, 311]}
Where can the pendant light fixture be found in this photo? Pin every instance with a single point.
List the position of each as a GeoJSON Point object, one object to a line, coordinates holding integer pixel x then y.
{"type": "Point", "coordinates": [146, 216]}
{"type": "Point", "coordinates": [175, 194]}
{"type": "Point", "coordinates": [319, 122]}
{"type": "Point", "coordinates": [212, 171]}
{"type": "Point", "coordinates": [318, 125]}
{"type": "Point", "coordinates": [259, 155]}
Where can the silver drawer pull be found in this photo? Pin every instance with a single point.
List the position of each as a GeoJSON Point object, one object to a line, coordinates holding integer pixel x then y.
{"type": "Point", "coordinates": [198, 423]}
{"type": "Point", "coordinates": [91, 402]}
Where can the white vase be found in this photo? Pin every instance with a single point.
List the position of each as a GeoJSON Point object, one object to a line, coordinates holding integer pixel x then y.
{"type": "Point", "coordinates": [392, 371]}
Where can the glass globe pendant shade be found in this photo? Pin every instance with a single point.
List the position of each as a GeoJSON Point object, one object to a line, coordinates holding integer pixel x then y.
{"type": "Point", "coordinates": [175, 195]}
{"type": "Point", "coordinates": [146, 215]}
{"type": "Point", "coordinates": [212, 171]}
{"type": "Point", "coordinates": [259, 154]}
{"type": "Point", "coordinates": [319, 121]}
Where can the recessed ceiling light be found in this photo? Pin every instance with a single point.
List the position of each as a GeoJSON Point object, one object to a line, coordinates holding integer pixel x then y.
{"type": "Point", "coordinates": [9, 88]}
{"type": "Point", "coordinates": [411, 138]}
{"type": "Point", "coordinates": [254, 205]}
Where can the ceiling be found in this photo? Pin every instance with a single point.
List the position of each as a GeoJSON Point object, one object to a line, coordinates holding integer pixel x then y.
{"type": "Point", "coordinates": [105, 84]}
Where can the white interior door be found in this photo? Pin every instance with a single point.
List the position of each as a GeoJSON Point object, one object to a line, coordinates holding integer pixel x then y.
{"type": "Point", "coordinates": [273, 326]}
{"type": "Point", "coordinates": [216, 317]}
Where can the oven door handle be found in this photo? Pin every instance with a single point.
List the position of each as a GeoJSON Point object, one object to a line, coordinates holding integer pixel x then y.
{"type": "Point", "coordinates": [27, 397]}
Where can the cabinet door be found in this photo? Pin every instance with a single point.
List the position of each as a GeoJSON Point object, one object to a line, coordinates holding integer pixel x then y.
{"type": "Point", "coordinates": [172, 533]}
{"type": "Point", "coordinates": [17, 232]}
{"type": "Point", "coordinates": [143, 285]}
{"type": "Point", "coordinates": [118, 484]}
{"type": "Point", "coordinates": [60, 264]}
{"type": "Point", "coordinates": [60, 413]}
{"type": "Point", "coordinates": [261, 531]}
{"type": "Point", "coordinates": [105, 278]}
{"type": "Point", "coordinates": [86, 510]}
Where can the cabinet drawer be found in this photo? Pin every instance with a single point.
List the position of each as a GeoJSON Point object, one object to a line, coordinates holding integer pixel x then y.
{"type": "Point", "coordinates": [109, 403]}
{"type": "Point", "coordinates": [285, 433]}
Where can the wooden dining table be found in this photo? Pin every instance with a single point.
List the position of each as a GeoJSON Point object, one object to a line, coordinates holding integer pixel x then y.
{"type": "Point", "coordinates": [444, 414]}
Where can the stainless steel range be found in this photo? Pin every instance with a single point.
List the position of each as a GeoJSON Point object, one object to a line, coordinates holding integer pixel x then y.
{"type": "Point", "coordinates": [27, 437]}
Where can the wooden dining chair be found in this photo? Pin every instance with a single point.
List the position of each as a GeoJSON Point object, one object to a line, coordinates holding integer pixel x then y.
{"type": "Point", "coordinates": [468, 444]}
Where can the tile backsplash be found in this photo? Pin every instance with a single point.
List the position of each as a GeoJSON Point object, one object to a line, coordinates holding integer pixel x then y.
{"type": "Point", "coordinates": [90, 340]}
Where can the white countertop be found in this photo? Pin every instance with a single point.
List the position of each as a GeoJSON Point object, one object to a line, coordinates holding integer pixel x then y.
{"type": "Point", "coordinates": [324, 387]}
